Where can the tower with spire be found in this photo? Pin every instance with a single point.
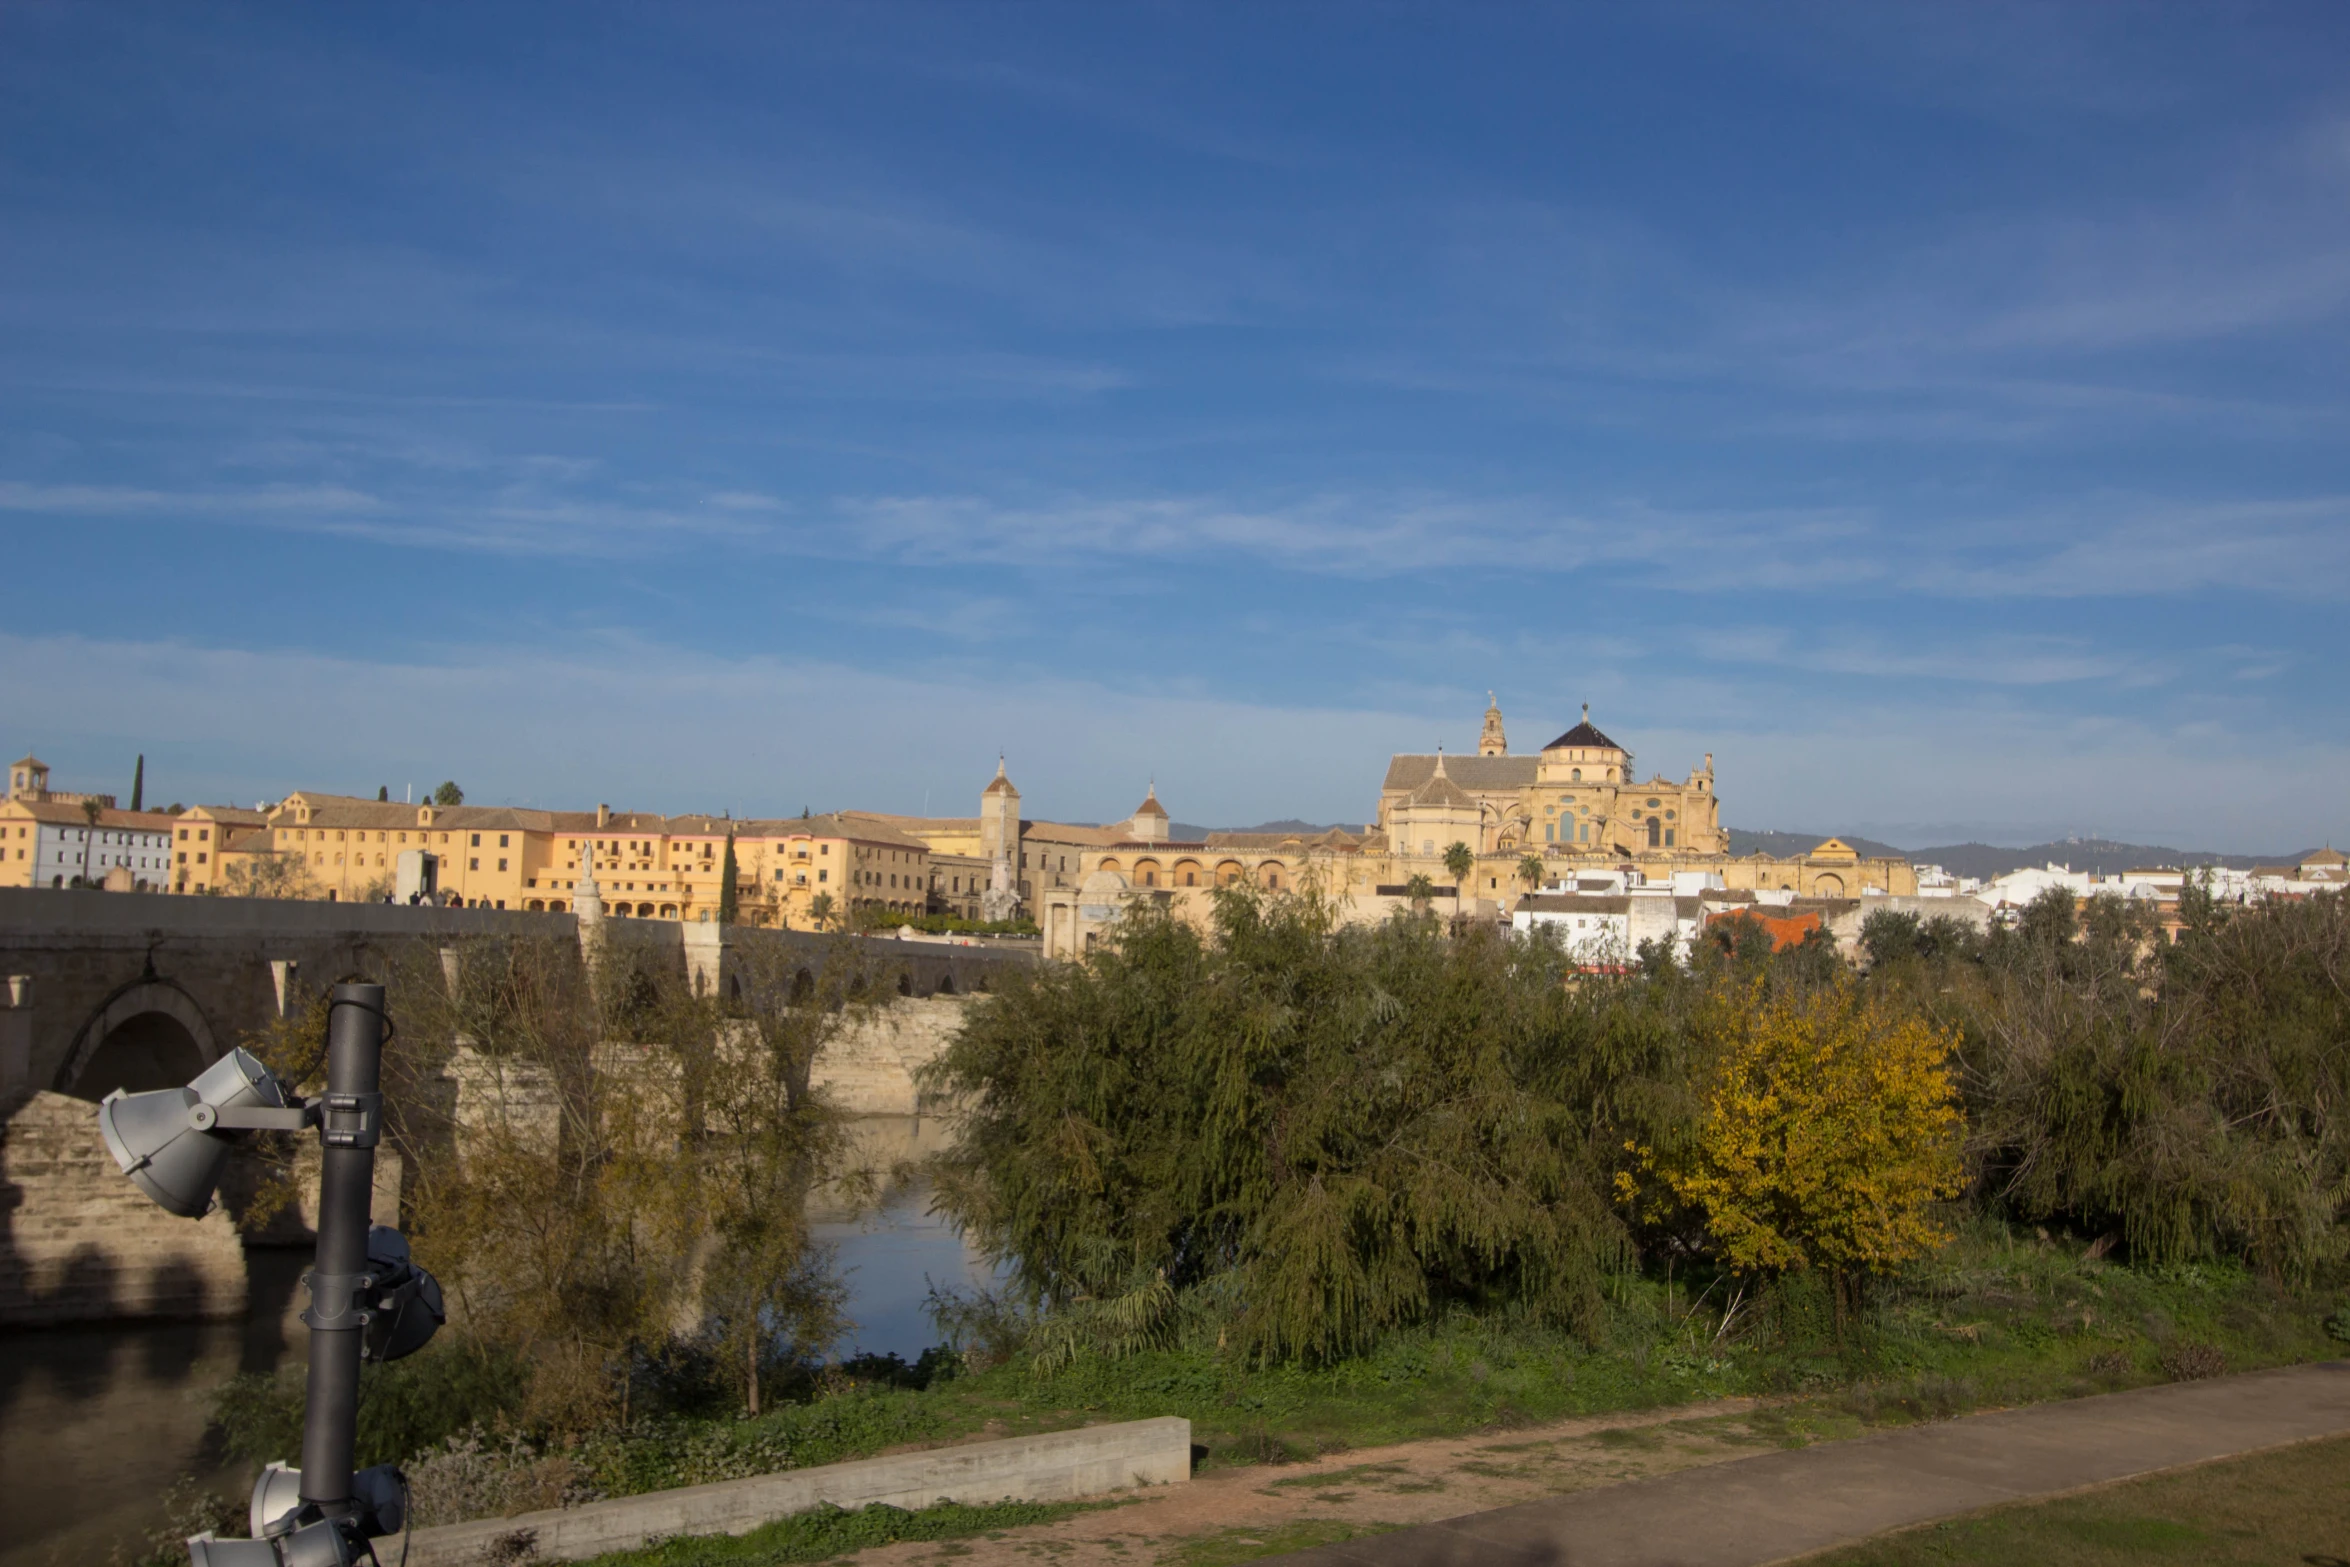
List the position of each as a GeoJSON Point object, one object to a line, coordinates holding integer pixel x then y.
{"type": "Point", "coordinates": [1492, 742]}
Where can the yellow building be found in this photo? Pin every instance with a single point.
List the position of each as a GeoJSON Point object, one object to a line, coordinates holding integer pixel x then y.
{"type": "Point", "coordinates": [208, 839]}
{"type": "Point", "coordinates": [1575, 809]}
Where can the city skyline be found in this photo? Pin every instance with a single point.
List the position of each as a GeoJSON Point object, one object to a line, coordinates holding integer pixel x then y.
{"type": "Point", "coordinates": [1938, 416]}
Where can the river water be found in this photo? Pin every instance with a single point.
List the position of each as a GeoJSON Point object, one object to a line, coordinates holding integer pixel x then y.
{"type": "Point", "coordinates": [96, 1422]}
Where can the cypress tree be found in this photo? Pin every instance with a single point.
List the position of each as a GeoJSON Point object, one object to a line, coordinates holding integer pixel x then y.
{"type": "Point", "coordinates": [139, 784]}
{"type": "Point", "coordinates": [383, 791]}
{"type": "Point", "coordinates": [726, 884]}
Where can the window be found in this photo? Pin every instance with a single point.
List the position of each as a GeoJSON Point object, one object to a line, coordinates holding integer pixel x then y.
{"type": "Point", "coordinates": [1576, 775]}
{"type": "Point", "coordinates": [183, 835]}
{"type": "Point", "coordinates": [1668, 837]}
{"type": "Point", "coordinates": [824, 875]}
{"type": "Point", "coordinates": [476, 841]}
{"type": "Point", "coordinates": [473, 865]}
{"type": "Point", "coordinates": [501, 863]}
{"type": "Point", "coordinates": [501, 840]}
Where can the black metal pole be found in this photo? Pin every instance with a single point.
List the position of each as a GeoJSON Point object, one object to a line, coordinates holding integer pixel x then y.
{"type": "Point", "coordinates": [338, 1300]}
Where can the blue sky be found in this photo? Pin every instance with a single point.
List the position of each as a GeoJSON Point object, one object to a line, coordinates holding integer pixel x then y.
{"type": "Point", "coordinates": [1939, 414]}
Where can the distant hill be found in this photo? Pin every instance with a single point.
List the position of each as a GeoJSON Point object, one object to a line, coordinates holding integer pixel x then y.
{"type": "Point", "coordinates": [1984, 861]}
{"type": "Point", "coordinates": [1782, 844]}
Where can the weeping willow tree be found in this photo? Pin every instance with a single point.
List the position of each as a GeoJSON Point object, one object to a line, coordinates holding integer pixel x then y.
{"type": "Point", "coordinates": [1320, 1132]}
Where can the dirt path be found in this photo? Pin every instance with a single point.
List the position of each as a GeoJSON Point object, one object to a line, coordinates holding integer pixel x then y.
{"type": "Point", "coordinates": [1234, 1515]}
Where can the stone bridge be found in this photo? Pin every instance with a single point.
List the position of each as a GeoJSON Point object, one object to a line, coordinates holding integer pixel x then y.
{"type": "Point", "coordinates": [100, 991]}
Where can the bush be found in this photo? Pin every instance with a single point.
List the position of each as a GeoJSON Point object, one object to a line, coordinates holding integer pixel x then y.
{"type": "Point", "coordinates": [1830, 1130]}
{"type": "Point", "coordinates": [404, 1407]}
{"type": "Point", "coordinates": [2193, 1096]}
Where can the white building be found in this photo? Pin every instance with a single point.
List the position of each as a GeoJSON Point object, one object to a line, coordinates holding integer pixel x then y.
{"type": "Point", "coordinates": [46, 844]}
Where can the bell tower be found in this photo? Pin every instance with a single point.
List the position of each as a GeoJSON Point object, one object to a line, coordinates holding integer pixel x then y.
{"type": "Point", "coordinates": [1492, 742]}
{"type": "Point", "coordinates": [999, 817]}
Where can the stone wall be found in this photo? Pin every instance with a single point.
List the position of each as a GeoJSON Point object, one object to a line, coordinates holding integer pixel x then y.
{"type": "Point", "coordinates": [174, 982]}
{"type": "Point", "coordinates": [868, 1067]}
{"type": "Point", "coordinates": [77, 1241]}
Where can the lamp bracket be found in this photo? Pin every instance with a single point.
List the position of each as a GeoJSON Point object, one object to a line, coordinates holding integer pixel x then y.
{"type": "Point", "coordinates": [251, 1118]}
{"type": "Point", "coordinates": [338, 1301]}
{"type": "Point", "coordinates": [351, 1120]}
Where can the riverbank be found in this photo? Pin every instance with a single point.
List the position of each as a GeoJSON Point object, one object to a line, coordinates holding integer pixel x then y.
{"type": "Point", "coordinates": [2001, 1319]}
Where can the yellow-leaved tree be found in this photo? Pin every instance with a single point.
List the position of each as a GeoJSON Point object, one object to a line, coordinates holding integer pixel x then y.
{"type": "Point", "coordinates": [1830, 1127]}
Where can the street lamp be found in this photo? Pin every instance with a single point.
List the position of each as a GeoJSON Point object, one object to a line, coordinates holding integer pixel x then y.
{"type": "Point", "coordinates": [368, 1300]}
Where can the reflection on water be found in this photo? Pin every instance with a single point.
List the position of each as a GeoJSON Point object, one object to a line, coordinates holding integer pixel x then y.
{"type": "Point", "coordinates": [96, 1422]}
{"type": "Point", "coordinates": [889, 1263]}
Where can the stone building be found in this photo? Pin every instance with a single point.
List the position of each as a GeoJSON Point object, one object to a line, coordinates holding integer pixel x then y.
{"type": "Point", "coordinates": [1548, 825]}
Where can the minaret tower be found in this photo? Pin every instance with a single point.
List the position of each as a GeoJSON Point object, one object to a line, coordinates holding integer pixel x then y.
{"type": "Point", "coordinates": [1492, 742]}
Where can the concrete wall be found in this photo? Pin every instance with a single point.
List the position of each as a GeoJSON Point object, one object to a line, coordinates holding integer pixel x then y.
{"type": "Point", "coordinates": [1058, 1467]}
{"type": "Point", "coordinates": [77, 1241]}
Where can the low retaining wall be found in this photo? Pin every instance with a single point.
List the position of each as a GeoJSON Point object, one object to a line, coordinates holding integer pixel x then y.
{"type": "Point", "coordinates": [1058, 1467]}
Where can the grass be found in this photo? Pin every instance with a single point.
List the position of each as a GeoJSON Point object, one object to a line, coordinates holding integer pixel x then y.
{"type": "Point", "coordinates": [2290, 1506]}
{"type": "Point", "coordinates": [2000, 1318]}
{"type": "Point", "coordinates": [830, 1532]}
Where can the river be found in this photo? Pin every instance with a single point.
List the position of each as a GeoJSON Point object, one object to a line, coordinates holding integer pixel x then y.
{"type": "Point", "coordinates": [96, 1422]}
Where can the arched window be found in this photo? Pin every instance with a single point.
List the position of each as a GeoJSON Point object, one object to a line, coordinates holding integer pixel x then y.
{"type": "Point", "coordinates": [1576, 775]}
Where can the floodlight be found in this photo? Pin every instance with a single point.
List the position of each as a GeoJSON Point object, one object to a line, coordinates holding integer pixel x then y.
{"type": "Point", "coordinates": [172, 1142]}
{"type": "Point", "coordinates": [368, 1299]}
{"type": "Point", "coordinates": [406, 1307]}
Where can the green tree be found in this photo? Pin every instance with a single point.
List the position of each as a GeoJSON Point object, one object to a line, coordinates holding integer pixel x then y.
{"type": "Point", "coordinates": [1311, 1133]}
{"type": "Point", "coordinates": [448, 793]}
{"type": "Point", "coordinates": [90, 810]}
{"type": "Point", "coordinates": [1460, 859]}
{"type": "Point", "coordinates": [1530, 870]}
{"type": "Point", "coordinates": [726, 888]}
{"type": "Point", "coordinates": [1419, 887]}
{"type": "Point", "coordinates": [383, 792]}
{"type": "Point", "coordinates": [820, 910]}
{"type": "Point", "coordinates": [139, 784]}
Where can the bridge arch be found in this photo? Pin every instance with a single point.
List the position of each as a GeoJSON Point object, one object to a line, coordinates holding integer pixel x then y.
{"type": "Point", "coordinates": [149, 1033]}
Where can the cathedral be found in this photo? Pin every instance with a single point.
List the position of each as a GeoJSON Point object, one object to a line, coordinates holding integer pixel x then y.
{"type": "Point", "coordinates": [1575, 798]}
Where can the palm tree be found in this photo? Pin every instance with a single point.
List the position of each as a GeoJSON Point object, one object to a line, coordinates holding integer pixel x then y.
{"type": "Point", "coordinates": [1460, 859]}
{"type": "Point", "coordinates": [1530, 870]}
{"type": "Point", "coordinates": [1419, 889]}
{"type": "Point", "coordinates": [820, 910]}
